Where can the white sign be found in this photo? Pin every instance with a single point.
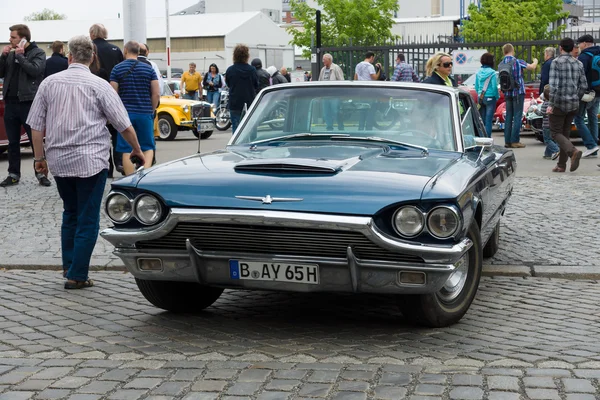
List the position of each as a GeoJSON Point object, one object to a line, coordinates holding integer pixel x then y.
{"type": "Point", "coordinates": [297, 76]}
{"type": "Point", "coordinates": [466, 61]}
{"type": "Point", "coordinates": [313, 58]}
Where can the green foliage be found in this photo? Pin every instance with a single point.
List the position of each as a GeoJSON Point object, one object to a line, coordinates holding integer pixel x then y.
{"type": "Point", "coordinates": [45, 15]}
{"type": "Point", "coordinates": [513, 19]}
{"type": "Point", "coordinates": [363, 22]}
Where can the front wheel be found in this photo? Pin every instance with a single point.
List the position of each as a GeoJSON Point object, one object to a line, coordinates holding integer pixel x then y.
{"type": "Point", "coordinates": [449, 304]}
{"type": "Point", "coordinates": [178, 296]}
{"type": "Point", "coordinates": [167, 129]}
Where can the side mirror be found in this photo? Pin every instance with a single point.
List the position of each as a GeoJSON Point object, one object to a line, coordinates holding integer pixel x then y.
{"type": "Point", "coordinates": [484, 143]}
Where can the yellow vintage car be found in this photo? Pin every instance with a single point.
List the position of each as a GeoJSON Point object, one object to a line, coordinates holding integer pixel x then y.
{"type": "Point", "coordinates": [174, 115]}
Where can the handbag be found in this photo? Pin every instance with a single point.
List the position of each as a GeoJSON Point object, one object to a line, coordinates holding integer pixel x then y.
{"type": "Point", "coordinates": [480, 98]}
{"type": "Point", "coordinates": [588, 96]}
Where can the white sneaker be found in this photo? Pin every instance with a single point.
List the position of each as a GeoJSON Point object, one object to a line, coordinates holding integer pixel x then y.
{"type": "Point", "coordinates": [590, 152]}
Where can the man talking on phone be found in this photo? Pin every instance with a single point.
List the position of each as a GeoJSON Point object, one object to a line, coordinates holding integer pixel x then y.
{"type": "Point", "coordinates": [22, 66]}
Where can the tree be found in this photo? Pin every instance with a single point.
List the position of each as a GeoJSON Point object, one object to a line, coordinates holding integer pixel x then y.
{"type": "Point", "coordinates": [513, 19]}
{"type": "Point", "coordinates": [45, 15]}
{"type": "Point", "coordinates": [364, 22]}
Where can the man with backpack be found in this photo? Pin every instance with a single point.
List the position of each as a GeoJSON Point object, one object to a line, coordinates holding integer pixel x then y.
{"type": "Point", "coordinates": [510, 77]}
{"type": "Point", "coordinates": [589, 55]}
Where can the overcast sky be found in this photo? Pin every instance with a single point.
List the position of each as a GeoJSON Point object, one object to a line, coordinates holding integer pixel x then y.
{"type": "Point", "coordinates": [13, 12]}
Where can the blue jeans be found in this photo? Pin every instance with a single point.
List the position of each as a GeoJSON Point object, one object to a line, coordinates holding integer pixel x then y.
{"type": "Point", "coordinates": [551, 146]}
{"type": "Point", "coordinates": [81, 198]}
{"type": "Point", "coordinates": [589, 133]}
{"type": "Point", "coordinates": [514, 119]}
{"type": "Point", "coordinates": [190, 96]}
{"type": "Point", "coordinates": [213, 98]}
{"type": "Point", "coordinates": [331, 112]}
{"type": "Point", "coordinates": [235, 117]}
{"type": "Point", "coordinates": [487, 113]}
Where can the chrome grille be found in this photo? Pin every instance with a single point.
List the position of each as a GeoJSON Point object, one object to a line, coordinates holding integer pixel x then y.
{"type": "Point", "coordinates": [273, 240]}
{"type": "Point", "coordinates": [201, 110]}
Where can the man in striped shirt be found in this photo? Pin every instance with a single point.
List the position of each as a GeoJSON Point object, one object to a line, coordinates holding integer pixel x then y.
{"type": "Point", "coordinates": [137, 85]}
{"type": "Point", "coordinates": [404, 72]}
{"type": "Point", "coordinates": [77, 151]}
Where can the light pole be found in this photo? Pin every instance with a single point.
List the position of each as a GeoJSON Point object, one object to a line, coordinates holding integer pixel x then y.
{"type": "Point", "coordinates": [168, 42]}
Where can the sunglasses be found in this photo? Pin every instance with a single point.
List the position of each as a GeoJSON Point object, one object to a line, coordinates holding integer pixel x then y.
{"type": "Point", "coordinates": [447, 64]}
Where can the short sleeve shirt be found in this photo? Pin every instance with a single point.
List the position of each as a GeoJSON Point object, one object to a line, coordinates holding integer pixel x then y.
{"type": "Point", "coordinates": [364, 70]}
{"type": "Point", "coordinates": [518, 68]}
{"type": "Point", "coordinates": [135, 88]}
{"type": "Point", "coordinates": [326, 74]}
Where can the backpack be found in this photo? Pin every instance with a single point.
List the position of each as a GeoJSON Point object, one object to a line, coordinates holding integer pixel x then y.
{"type": "Point", "coordinates": [506, 77]}
{"type": "Point", "coordinates": [382, 75]}
{"type": "Point", "coordinates": [594, 72]}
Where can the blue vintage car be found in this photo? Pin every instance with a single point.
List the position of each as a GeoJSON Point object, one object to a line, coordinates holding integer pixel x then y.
{"type": "Point", "coordinates": [360, 187]}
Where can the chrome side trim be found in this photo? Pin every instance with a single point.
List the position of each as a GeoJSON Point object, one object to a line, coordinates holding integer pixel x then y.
{"type": "Point", "coordinates": [439, 254]}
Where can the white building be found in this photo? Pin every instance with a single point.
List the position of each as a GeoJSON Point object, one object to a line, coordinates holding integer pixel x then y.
{"type": "Point", "coordinates": [272, 8]}
{"type": "Point", "coordinates": [426, 29]}
{"type": "Point", "coordinates": [199, 38]}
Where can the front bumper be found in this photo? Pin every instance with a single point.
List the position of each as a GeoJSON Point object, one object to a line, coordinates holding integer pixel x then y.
{"type": "Point", "coordinates": [337, 274]}
{"type": "Point", "coordinates": [204, 124]}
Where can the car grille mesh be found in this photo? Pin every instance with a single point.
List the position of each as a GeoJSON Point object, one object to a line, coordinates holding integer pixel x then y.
{"type": "Point", "coordinates": [273, 240]}
{"type": "Point", "coordinates": [201, 110]}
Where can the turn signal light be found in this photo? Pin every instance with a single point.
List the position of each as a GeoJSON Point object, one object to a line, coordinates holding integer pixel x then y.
{"type": "Point", "coordinates": [150, 264]}
{"type": "Point", "coordinates": [411, 278]}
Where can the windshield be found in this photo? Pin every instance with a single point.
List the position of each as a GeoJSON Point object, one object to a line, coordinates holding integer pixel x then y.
{"type": "Point", "coordinates": [410, 116]}
{"type": "Point", "coordinates": [166, 90]}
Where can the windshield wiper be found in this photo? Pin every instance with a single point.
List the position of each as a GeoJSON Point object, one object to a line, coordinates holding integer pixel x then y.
{"type": "Point", "coordinates": [425, 150]}
{"type": "Point", "coordinates": [297, 135]}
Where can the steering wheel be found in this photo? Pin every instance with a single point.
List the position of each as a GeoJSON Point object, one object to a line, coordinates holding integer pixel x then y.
{"type": "Point", "coordinates": [422, 134]}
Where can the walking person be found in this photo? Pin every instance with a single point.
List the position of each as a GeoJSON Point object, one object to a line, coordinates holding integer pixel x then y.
{"type": "Point", "coordinates": [77, 151]}
{"type": "Point", "coordinates": [242, 80]}
{"type": "Point", "coordinates": [365, 71]}
{"type": "Point", "coordinates": [276, 77]}
{"type": "Point", "coordinates": [283, 71]}
{"type": "Point", "coordinates": [549, 54]}
{"type": "Point", "coordinates": [57, 61]}
{"type": "Point", "coordinates": [190, 83]}
{"type": "Point", "coordinates": [212, 83]}
{"type": "Point", "coordinates": [109, 55]}
{"type": "Point", "coordinates": [264, 79]}
{"type": "Point", "coordinates": [486, 87]}
{"type": "Point", "coordinates": [137, 85]}
{"type": "Point", "coordinates": [143, 57]}
{"type": "Point", "coordinates": [22, 66]}
{"type": "Point", "coordinates": [438, 70]}
{"type": "Point", "coordinates": [513, 87]}
{"type": "Point", "coordinates": [589, 131]}
{"type": "Point", "coordinates": [567, 86]}
{"type": "Point", "coordinates": [404, 72]}
{"type": "Point", "coordinates": [552, 151]}
{"type": "Point", "coordinates": [331, 106]}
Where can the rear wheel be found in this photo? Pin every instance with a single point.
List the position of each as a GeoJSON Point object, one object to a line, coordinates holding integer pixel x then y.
{"type": "Point", "coordinates": [167, 129]}
{"type": "Point", "coordinates": [449, 304]}
{"type": "Point", "coordinates": [178, 296]}
{"type": "Point", "coordinates": [222, 119]}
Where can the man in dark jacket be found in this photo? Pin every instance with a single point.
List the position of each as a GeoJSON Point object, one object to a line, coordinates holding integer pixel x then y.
{"type": "Point", "coordinates": [109, 55]}
{"type": "Point", "coordinates": [57, 62]}
{"type": "Point", "coordinates": [263, 76]}
{"type": "Point", "coordinates": [589, 132]}
{"type": "Point", "coordinates": [276, 77]}
{"type": "Point", "coordinates": [242, 80]}
{"type": "Point", "coordinates": [549, 55]}
{"type": "Point", "coordinates": [22, 66]}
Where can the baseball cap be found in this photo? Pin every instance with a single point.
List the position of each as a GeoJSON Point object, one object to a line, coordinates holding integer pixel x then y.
{"type": "Point", "coordinates": [585, 39]}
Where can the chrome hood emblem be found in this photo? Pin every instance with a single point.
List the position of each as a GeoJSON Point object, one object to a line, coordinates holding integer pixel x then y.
{"type": "Point", "coordinates": [268, 199]}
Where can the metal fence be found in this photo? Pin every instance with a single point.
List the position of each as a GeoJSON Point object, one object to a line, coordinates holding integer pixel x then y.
{"type": "Point", "coordinates": [418, 50]}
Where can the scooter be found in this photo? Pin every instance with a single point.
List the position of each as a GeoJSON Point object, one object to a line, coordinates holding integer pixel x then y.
{"type": "Point", "coordinates": [223, 120]}
{"type": "Point", "coordinates": [534, 119]}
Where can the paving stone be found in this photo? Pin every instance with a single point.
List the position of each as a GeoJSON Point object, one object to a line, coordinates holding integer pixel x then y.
{"type": "Point", "coordinates": [283, 384]}
{"type": "Point", "coordinates": [539, 382]}
{"type": "Point", "coordinates": [143, 383]}
{"type": "Point", "coordinates": [201, 396]}
{"type": "Point", "coordinates": [504, 396]}
{"type": "Point", "coordinates": [47, 394]}
{"type": "Point", "coordinates": [542, 394]}
{"type": "Point", "coordinates": [504, 383]}
{"type": "Point", "coordinates": [99, 387]}
{"type": "Point", "coordinates": [171, 389]}
{"type": "Point", "coordinates": [395, 379]}
{"type": "Point", "coordinates": [209, 386]}
{"type": "Point", "coordinates": [70, 382]}
{"type": "Point", "coordinates": [127, 394]}
{"type": "Point", "coordinates": [349, 396]}
{"type": "Point", "coordinates": [466, 393]}
{"type": "Point", "coordinates": [254, 375]}
{"type": "Point", "coordinates": [581, 396]}
{"type": "Point", "coordinates": [389, 393]}
{"type": "Point", "coordinates": [273, 396]}
{"type": "Point", "coordinates": [17, 395]}
{"type": "Point", "coordinates": [323, 376]}
{"type": "Point", "coordinates": [467, 380]}
{"type": "Point", "coordinates": [315, 390]}
{"type": "Point", "coordinates": [429, 390]}
{"type": "Point", "coordinates": [578, 386]}
{"type": "Point", "coordinates": [33, 384]}
{"type": "Point", "coordinates": [353, 386]}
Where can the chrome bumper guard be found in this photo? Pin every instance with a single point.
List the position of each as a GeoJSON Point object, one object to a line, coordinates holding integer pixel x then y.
{"type": "Point", "coordinates": [348, 274]}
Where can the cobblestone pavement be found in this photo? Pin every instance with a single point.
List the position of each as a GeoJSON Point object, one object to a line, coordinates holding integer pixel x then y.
{"type": "Point", "coordinates": [523, 338]}
{"type": "Point", "coordinates": [550, 226]}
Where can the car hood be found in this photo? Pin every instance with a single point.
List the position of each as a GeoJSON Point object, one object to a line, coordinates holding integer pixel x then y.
{"type": "Point", "coordinates": [359, 180]}
{"type": "Point", "coordinates": [172, 101]}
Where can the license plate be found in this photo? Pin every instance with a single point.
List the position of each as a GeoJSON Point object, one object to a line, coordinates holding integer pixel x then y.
{"type": "Point", "coordinates": [269, 271]}
{"type": "Point", "coordinates": [206, 127]}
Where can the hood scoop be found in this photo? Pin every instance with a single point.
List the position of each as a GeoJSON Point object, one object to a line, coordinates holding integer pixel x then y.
{"type": "Point", "coordinates": [291, 166]}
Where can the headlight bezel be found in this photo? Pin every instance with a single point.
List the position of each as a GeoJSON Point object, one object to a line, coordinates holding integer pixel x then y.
{"type": "Point", "coordinates": [129, 200]}
{"type": "Point", "coordinates": [453, 211]}
{"type": "Point", "coordinates": [397, 229]}
{"type": "Point", "coordinates": [186, 108]}
{"type": "Point", "coordinates": [136, 205]}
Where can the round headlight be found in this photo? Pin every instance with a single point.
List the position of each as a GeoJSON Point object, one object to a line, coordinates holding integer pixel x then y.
{"type": "Point", "coordinates": [119, 208]}
{"type": "Point", "coordinates": [148, 210]}
{"type": "Point", "coordinates": [408, 221]}
{"type": "Point", "coordinates": [186, 108]}
{"type": "Point", "coordinates": [442, 222]}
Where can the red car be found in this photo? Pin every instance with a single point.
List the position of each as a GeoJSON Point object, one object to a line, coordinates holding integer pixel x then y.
{"type": "Point", "coordinates": [530, 88]}
{"type": "Point", "coordinates": [3, 137]}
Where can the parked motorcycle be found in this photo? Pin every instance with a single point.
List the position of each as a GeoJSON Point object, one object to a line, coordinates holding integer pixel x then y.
{"type": "Point", "coordinates": [223, 120]}
{"type": "Point", "coordinates": [534, 120]}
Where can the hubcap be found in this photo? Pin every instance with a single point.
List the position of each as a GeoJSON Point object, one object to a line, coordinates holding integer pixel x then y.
{"type": "Point", "coordinates": [164, 128]}
{"type": "Point", "coordinates": [456, 282]}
